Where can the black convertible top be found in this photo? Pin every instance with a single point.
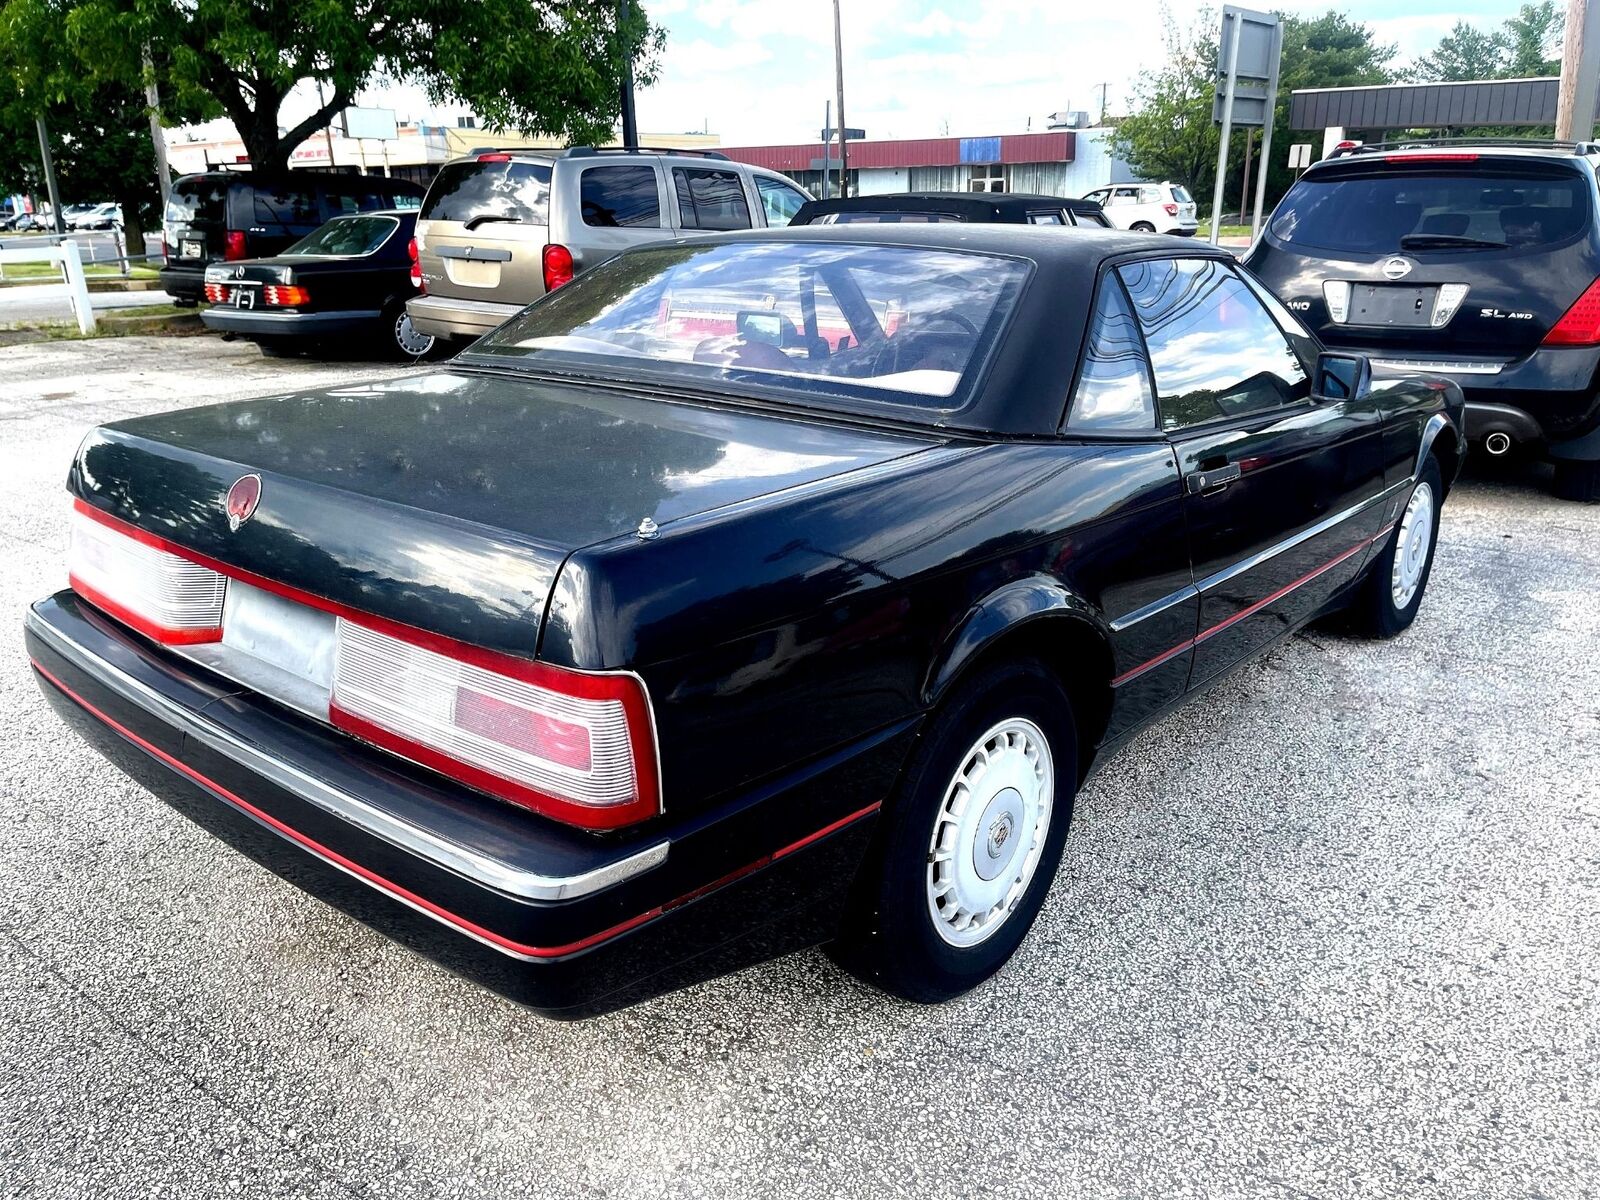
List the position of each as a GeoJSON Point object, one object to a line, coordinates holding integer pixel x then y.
{"type": "Point", "coordinates": [988, 207]}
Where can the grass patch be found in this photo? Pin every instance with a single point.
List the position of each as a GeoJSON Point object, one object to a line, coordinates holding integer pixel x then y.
{"type": "Point", "coordinates": [1227, 230]}
{"type": "Point", "coordinates": [143, 320]}
{"type": "Point", "coordinates": [52, 271]}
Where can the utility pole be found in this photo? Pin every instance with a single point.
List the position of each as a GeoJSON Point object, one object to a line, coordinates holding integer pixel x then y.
{"type": "Point", "coordinates": [838, 76]}
{"type": "Point", "coordinates": [630, 119]}
{"type": "Point", "coordinates": [1580, 72]}
{"type": "Point", "coordinates": [1103, 89]}
{"type": "Point", "coordinates": [327, 130]}
{"type": "Point", "coordinates": [152, 99]}
{"type": "Point", "coordinates": [827, 140]}
{"type": "Point", "coordinates": [50, 176]}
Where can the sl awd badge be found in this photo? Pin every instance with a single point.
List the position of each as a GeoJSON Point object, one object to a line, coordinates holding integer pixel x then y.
{"type": "Point", "coordinates": [243, 497]}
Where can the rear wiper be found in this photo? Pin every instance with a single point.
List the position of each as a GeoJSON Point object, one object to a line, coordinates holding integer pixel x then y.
{"type": "Point", "coordinates": [1447, 241]}
{"type": "Point", "coordinates": [486, 218]}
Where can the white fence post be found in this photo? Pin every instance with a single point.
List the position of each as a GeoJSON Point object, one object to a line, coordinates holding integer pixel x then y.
{"type": "Point", "coordinates": [76, 289]}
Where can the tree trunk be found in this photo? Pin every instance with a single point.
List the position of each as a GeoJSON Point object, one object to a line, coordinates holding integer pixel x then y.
{"type": "Point", "coordinates": [132, 226]}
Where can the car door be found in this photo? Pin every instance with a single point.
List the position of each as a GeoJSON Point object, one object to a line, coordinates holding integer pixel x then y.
{"type": "Point", "coordinates": [711, 198]}
{"type": "Point", "coordinates": [1282, 490]}
{"type": "Point", "coordinates": [620, 206]}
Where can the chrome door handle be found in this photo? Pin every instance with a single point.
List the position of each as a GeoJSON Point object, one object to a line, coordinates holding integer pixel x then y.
{"type": "Point", "coordinates": [1204, 483]}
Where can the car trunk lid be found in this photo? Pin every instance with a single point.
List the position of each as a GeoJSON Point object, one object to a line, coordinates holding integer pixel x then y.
{"type": "Point", "coordinates": [447, 501]}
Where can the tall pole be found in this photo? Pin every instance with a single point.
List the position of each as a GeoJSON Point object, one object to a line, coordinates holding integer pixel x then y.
{"type": "Point", "coordinates": [630, 120]}
{"type": "Point", "coordinates": [327, 130]}
{"type": "Point", "coordinates": [1103, 89]}
{"type": "Point", "coordinates": [158, 140]}
{"type": "Point", "coordinates": [827, 140]}
{"type": "Point", "coordinates": [50, 176]}
{"type": "Point", "coordinates": [838, 77]}
{"type": "Point", "coordinates": [1266, 130]}
{"type": "Point", "coordinates": [1227, 125]}
{"type": "Point", "coordinates": [1580, 72]}
{"type": "Point", "coordinates": [1244, 188]}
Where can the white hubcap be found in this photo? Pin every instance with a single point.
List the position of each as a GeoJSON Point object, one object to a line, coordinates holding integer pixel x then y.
{"type": "Point", "coordinates": [1411, 546]}
{"type": "Point", "coordinates": [990, 831]}
{"type": "Point", "coordinates": [408, 339]}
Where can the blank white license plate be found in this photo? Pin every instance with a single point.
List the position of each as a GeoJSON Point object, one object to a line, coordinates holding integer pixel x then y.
{"type": "Point", "coordinates": [244, 297]}
{"type": "Point", "coordinates": [276, 647]}
{"type": "Point", "coordinates": [188, 249]}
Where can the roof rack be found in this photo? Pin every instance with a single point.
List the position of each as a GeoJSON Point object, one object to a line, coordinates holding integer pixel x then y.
{"type": "Point", "coordinates": [586, 151]}
{"type": "Point", "coordinates": [1511, 143]}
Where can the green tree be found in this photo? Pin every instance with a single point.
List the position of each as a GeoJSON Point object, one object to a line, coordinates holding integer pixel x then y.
{"type": "Point", "coordinates": [1169, 134]}
{"type": "Point", "coordinates": [1466, 52]}
{"type": "Point", "coordinates": [1527, 45]}
{"type": "Point", "coordinates": [1533, 41]}
{"type": "Point", "coordinates": [541, 66]}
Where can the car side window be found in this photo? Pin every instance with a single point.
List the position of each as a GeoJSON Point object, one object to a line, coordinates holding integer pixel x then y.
{"type": "Point", "coordinates": [710, 199]}
{"type": "Point", "coordinates": [1045, 218]}
{"type": "Point", "coordinates": [286, 206]}
{"type": "Point", "coordinates": [779, 200]}
{"type": "Point", "coordinates": [1216, 352]}
{"type": "Point", "coordinates": [620, 196]}
{"type": "Point", "coordinates": [1113, 392]}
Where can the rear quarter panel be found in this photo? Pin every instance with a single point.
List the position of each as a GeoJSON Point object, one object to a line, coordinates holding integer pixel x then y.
{"type": "Point", "coordinates": [772, 632]}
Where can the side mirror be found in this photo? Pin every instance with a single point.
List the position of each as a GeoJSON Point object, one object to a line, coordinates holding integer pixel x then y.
{"type": "Point", "coordinates": [1342, 377]}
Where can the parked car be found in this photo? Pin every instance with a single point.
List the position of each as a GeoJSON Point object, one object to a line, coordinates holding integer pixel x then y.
{"type": "Point", "coordinates": [747, 592]}
{"type": "Point", "coordinates": [1015, 208]}
{"type": "Point", "coordinates": [1479, 261]}
{"type": "Point", "coordinates": [71, 213]}
{"type": "Point", "coordinates": [229, 216]}
{"type": "Point", "coordinates": [95, 216]}
{"type": "Point", "coordinates": [1148, 207]}
{"type": "Point", "coordinates": [351, 278]}
{"type": "Point", "coordinates": [501, 228]}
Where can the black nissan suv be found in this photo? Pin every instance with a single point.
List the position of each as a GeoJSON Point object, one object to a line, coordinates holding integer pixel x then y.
{"type": "Point", "coordinates": [1478, 261]}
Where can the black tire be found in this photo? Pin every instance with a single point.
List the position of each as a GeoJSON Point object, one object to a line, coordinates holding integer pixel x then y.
{"type": "Point", "coordinates": [888, 937]}
{"type": "Point", "coordinates": [1142, 227]}
{"type": "Point", "coordinates": [1375, 611]}
{"type": "Point", "coordinates": [1577, 480]}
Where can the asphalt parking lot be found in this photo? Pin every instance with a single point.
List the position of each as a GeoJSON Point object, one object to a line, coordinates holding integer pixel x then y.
{"type": "Point", "coordinates": [1334, 931]}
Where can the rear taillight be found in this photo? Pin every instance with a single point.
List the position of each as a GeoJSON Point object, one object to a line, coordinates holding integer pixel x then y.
{"type": "Point", "coordinates": [1449, 157]}
{"type": "Point", "coordinates": [277, 295]}
{"type": "Point", "coordinates": [576, 747]}
{"type": "Point", "coordinates": [1580, 324]}
{"type": "Point", "coordinates": [1172, 209]}
{"type": "Point", "coordinates": [146, 587]}
{"type": "Point", "coordinates": [233, 245]}
{"type": "Point", "coordinates": [416, 265]}
{"type": "Point", "coordinates": [164, 251]}
{"type": "Point", "coordinates": [557, 266]}
{"type": "Point", "coordinates": [218, 293]}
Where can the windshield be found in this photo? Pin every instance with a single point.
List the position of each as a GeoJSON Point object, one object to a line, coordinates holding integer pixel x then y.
{"type": "Point", "coordinates": [890, 323]}
{"type": "Point", "coordinates": [1371, 214]}
{"type": "Point", "coordinates": [345, 237]}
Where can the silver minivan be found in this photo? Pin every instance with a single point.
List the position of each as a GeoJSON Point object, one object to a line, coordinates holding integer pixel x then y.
{"type": "Point", "coordinates": [500, 228]}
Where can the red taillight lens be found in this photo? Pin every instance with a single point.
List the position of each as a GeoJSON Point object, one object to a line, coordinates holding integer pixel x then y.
{"type": "Point", "coordinates": [164, 251]}
{"type": "Point", "coordinates": [573, 746]}
{"type": "Point", "coordinates": [416, 265]}
{"type": "Point", "coordinates": [1172, 209]}
{"type": "Point", "coordinates": [1453, 157]}
{"type": "Point", "coordinates": [494, 158]}
{"type": "Point", "coordinates": [141, 584]}
{"type": "Point", "coordinates": [557, 266]}
{"type": "Point", "coordinates": [233, 245]}
{"type": "Point", "coordinates": [1580, 324]}
{"type": "Point", "coordinates": [218, 293]}
{"type": "Point", "coordinates": [277, 295]}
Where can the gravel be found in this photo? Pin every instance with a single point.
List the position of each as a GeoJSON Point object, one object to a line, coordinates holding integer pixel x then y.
{"type": "Point", "coordinates": [1330, 932]}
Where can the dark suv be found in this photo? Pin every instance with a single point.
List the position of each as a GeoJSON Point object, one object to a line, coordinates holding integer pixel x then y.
{"type": "Point", "coordinates": [228, 216]}
{"type": "Point", "coordinates": [1476, 261]}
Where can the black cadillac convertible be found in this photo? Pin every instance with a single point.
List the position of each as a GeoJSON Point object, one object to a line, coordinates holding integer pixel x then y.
{"type": "Point", "coordinates": [748, 592]}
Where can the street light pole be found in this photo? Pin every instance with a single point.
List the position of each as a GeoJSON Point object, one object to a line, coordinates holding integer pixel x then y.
{"type": "Point", "coordinates": [152, 99]}
{"type": "Point", "coordinates": [838, 76]}
{"type": "Point", "coordinates": [50, 176]}
{"type": "Point", "coordinates": [630, 120]}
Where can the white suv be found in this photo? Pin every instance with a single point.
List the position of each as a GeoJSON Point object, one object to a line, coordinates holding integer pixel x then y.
{"type": "Point", "coordinates": [1148, 207]}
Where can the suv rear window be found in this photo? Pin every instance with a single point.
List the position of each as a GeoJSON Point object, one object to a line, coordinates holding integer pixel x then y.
{"type": "Point", "coordinates": [517, 191]}
{"type": "Point", "coordinates": [1370, 214]}
{"type": "Point", "coordinates": [286, 206]}
{"type": "Point", "coordinates": [202, 200]}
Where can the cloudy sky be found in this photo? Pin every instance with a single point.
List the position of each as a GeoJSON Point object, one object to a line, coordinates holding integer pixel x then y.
{"type": "Point", "coordinates": [759, 71]}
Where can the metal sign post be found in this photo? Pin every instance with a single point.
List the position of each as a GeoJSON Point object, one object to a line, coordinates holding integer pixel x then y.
{"type": "Point", "coordinates": [1247, 93]}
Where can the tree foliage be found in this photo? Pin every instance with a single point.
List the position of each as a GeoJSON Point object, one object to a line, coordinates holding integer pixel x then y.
{"type": "Point", "coordinates": [1171, 134]}
{"type": "Point", "coordinates": [1527, 45]}
{"type": "Point", "coordinates": [541, 66]}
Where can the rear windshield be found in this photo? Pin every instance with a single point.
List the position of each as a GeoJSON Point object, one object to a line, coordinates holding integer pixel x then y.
{"type": "Point", "coordinates": [1181, 194]}
{"type": "Point", "coordinates": [1370, 214]}
{"type": "Point", "coordinates": [200, 200]}
{"type": "Point", "coordinates": [885, 218]}
{"type": "Point", "coordinates": [345, 237]}
{"type": "Point", "coordinates": [514, 191]}
{"type": "Point", "coordinates": [899, 324]}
